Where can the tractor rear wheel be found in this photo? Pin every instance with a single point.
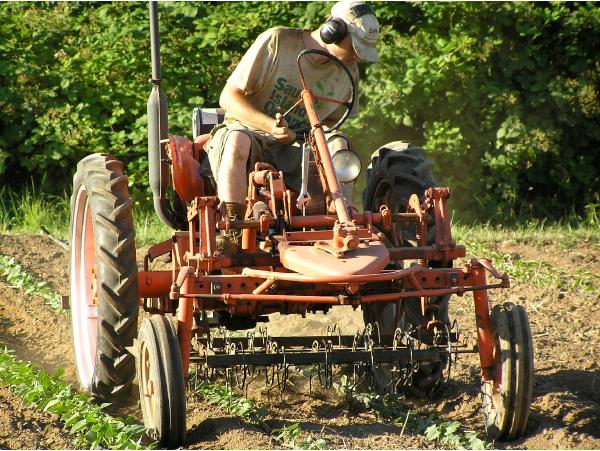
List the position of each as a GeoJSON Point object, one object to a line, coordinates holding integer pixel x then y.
{"type": "Point", "coordinates": [161, 383]}
{"type": "Point", "coordinates": [397, 171]}
{"type": "Point", "coordinates": [103, 278]}
{"type": "Point", "coordinates": [506, 400]}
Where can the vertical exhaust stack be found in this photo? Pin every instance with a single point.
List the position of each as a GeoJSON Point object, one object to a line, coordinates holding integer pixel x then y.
{"type": "Point", "coordinates": [158, 130]}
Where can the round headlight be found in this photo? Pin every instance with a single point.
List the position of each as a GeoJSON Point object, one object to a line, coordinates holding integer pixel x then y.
{"type": "Point", "coordinates": [347, 165]}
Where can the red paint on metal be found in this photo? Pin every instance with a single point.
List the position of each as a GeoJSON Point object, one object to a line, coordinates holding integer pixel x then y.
{"type": "Point", "coordinates": [295, 277]}
{"type": "Point", "coordinates": [485, 337]}
{"type": "Point", "coordinates": [187, 181]}
{"type": "Point", "coordinates": [154, 284]}
{"type": "Point", "coordinates": [184, 331]}
{"type": "Point", "coordinates": [311, 260]}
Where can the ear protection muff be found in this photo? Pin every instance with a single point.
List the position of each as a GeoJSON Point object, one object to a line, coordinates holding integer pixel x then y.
{"type": "Point", "coordinates": [335, 29]}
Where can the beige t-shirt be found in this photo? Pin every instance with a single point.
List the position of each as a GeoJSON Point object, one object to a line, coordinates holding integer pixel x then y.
{"type": "Point", "coordinates": [268, 74]}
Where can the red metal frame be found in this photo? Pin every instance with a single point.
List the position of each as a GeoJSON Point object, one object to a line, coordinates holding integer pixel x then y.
{"type": "Point", "coordinates": [255, 281]}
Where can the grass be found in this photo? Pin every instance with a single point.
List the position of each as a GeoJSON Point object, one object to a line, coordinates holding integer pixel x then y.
{"type": "Point", "coordinates": [537, 233]}
{"type": "Point", "coordinates": [14, 274]}
{"type": "Point", "coordinates": [484, 240]}
{"type": "Point", "coordinates": [85, 420]}
{"type": "Point", "coordinates": [28, 211]}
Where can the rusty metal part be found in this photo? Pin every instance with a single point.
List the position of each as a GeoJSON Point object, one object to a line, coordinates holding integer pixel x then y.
{"type": "Point", "coordinates": [316, 261]}
{"type": "Point", "coordinates": [185, 320]}
{"type": "Point", "coordinates": [295, 277]}
{"type": "Point", "coordinates": [333, 357]}
{"type": "Point", "coordinates": [485, 337]}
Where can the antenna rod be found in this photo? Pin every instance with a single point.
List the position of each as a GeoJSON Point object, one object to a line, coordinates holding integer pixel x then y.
{"type": "Point", "coordinates": [155, 43]}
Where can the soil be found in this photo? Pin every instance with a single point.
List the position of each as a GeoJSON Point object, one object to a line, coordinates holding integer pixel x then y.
{"type": "Point", "coordinates": [566, 397]}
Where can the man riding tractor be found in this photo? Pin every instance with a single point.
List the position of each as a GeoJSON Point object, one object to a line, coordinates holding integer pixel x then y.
{"type": "Point", "coordinates": [261, 121]}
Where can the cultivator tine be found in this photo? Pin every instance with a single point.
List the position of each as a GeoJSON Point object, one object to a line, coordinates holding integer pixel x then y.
{"type": "Point", "coordinates": [325, 368]}
{"type": "Point", "coordinates": [331, 332]}
{"type": "Point", "coordinates": [282, 372]}
{"type": "Point", "coordinates": [390, 362]}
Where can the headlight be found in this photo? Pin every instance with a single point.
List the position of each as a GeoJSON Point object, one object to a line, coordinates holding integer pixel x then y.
{"type": "Point", "coordinates": [347, 165]}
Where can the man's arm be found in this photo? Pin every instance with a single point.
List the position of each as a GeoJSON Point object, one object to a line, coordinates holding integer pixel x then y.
{"type": "Point", "coordinates": [234, 101]}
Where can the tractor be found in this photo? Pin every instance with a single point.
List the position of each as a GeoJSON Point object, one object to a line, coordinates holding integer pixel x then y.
{"type": "Point", "coordinates": [301, 252]}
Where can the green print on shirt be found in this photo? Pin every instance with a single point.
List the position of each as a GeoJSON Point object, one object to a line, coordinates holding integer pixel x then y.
{"type": "Point", "coordinates": [322, 92]}
{"type": "Point", "coordinates": [282, 98]}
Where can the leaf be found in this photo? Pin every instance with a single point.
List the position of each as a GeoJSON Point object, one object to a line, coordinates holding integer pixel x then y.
{"type": "Point", "coordinates": [432, 432]}
{"type": "Point", "coordinates": [79, 425]}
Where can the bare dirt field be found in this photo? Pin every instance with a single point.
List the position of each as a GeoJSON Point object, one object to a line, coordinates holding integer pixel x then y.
{"type": "Point", "coordinates": [566, 398]}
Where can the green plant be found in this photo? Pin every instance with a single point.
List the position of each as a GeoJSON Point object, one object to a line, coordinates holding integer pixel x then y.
{"type": "Point", "coordinates": [482, 240]}
{"type": "Point", "coordinates": [28, 210]}
{"type": "Point", "coordinates": [17, 277]}
{"type": "Point", "coordinates": [227, 400]}
{"type": "Point", "coordinates": [290, 435]}
{"type": "Point", "coordinates": [508, 88]}
{"type": "Point", "coordinates": [391, 408]}
{"type": "Point", "coordinates": [287, 434]}
{"type": "Point", "coordinates": [85, 420]}
{"type": "Point", "coordinates": [448, 433]}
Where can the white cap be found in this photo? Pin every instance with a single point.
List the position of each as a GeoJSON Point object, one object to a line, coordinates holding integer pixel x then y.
{"type": "Point", "coordinates": [363, 26]}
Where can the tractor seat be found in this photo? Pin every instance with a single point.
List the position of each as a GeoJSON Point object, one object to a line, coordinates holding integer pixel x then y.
{"type": "Point", "coordinates": [203, 121]}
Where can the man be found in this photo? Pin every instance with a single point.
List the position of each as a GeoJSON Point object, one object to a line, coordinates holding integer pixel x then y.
{"type": "Point", "coordinates": [267, 82]}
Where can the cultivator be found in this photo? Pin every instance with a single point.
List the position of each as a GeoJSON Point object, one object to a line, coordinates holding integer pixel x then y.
{"type": "Point", "coordinates": [299, 253]}
{"type": "Point", "coordinates": [273, 359]}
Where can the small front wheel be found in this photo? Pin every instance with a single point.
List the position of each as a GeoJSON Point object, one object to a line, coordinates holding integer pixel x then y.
{"type": "Point", "coordinates": [506, 399]}
{"type": "Point", "coordinates": [161, 383]}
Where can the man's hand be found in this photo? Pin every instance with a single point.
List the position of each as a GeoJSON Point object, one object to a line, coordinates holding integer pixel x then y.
{"type": "Point", "coordinates": [281, 132]}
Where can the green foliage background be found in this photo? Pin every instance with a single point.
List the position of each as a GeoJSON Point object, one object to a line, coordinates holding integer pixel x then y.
{"type": "Point", "coordinates": [504, 96]}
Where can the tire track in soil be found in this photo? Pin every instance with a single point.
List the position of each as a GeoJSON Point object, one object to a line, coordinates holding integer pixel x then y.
{"type": "Point", "coordinates": [565, 408]}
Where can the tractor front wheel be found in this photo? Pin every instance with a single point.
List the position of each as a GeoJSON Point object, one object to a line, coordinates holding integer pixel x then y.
{"type": "Point", "coordinates": [506, 399]}
{"type": "Point", "coordinates": [161, 382]}
{"type": "Point", "coordinates": [103, 278]}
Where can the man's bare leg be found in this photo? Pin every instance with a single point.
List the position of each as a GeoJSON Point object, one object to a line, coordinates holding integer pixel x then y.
{"type": "Point", "coordinates": [232, 179]}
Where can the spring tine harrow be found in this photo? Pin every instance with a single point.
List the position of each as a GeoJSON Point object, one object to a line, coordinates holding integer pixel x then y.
{"type": "Point", "coordinates": [243, 359]}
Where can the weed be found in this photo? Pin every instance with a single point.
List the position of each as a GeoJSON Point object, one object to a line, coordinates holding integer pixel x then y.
{"type": "Point", "coordinates": [227, 400]}
{"type": "Point", "coordinates": [17, 277]}
{"type": "Point", "coordinates": [448, 433]}
{"type": "Point", "coordinates": [290, 436]}
{"type": "Point", "coordinates": [390, 408]}
{"type": "Point", "coordinates": [85, 420]}
{"type": "Point", "coordinates": [287, 434]}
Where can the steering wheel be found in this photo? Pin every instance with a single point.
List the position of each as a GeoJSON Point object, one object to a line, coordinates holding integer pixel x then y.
{"type": "Point", "coordinates": [346, 103]}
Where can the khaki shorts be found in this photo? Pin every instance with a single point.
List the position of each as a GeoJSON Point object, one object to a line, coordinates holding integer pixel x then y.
{"type": "Point", "coordinates": [285, 157]}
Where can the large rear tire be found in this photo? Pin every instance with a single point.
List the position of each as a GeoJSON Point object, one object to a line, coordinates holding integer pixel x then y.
{"type": "Point", "coordinates": [506, 400]}
{"type": "Point", "coordinates": [161, 382]}
{"type": "Point", "coordinates": [397, 171]}
{"type": "Point", "coordinates": [103, 278]}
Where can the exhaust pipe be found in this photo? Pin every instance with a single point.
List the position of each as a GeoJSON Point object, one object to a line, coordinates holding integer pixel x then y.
{"type": "Point", "coordinates": [158, 131]}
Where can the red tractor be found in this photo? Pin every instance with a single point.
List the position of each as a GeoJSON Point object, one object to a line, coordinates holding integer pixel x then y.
{"type": "Point", "coordinates": [300, 252]}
